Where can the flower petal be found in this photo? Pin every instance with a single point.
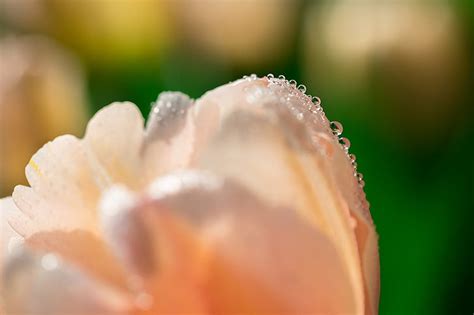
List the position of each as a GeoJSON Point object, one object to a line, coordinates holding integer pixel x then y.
{"type": "Point", "coordinates": [291, 159]}
{"type": "Point", "coordinates": [63, 189]}
{"type": "Point", "coordinates": [9, 238]}
{"type": "Point", "coordinates": [248, 257]}
{"type": "Point", "coordinates": [114, 136]}
{"type": "Point", "coordinates": [58, 213]}
{"type": "Point", "coordinates": [169, 136]}
{"type": "Point", "coordinates": [41, 284]}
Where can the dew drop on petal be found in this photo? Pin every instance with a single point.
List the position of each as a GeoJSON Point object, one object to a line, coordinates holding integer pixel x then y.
{"type": "Point", "coordinates": [302, 88]}
{"type": "Point", "coordinates": [346, 144]}
{"type": "Point", "coordinates": [299, 116]}
{"type": "Point", "coordinates": [281, 77]}
{"type": "Point", "coordinates": [352, 157]}
{"type": "Point", "coordinates": [316, 100]}
{"type": "Point", "coordinates": [336, 128]}
{"type": "Point", "coordinates": [270, 76]}
{"type": "Point", "coordinates": [292, 82]}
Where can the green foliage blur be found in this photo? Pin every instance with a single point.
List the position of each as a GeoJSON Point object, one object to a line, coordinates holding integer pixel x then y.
{"type": "Point", "coordinates": [405, 100]}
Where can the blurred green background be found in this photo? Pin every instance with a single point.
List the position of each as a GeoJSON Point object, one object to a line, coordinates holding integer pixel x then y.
{"type": "Point", "coordinates": [398, 74]}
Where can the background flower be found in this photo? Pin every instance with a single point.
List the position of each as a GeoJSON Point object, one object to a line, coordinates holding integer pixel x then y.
{"type": "Point", "coordinates": [41, 97]}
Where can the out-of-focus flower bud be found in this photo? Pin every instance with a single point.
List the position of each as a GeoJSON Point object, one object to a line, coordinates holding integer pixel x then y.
{"type": "Point", "coordinates": [41, 97]}
{"type": "Point", "coordinates": [105, 32]}
{"type": "Point", "coordinates": [408, 55]}
{"type": "Point", "coordinates": [242, 32]}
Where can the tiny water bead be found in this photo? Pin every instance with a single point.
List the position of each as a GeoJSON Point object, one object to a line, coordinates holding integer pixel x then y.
{"type": "Point", "coordinates": [314, 107]}
{"type": "Point", "coordinates": [346, 144]}
{"type": "Point", "coordinates": [336, 128]}
{"type": "Point", "coordinates": [316, 100]}
{"type": "Point", "coordinates": [302, 88]}
{"type": "Point", "coordinates": [352, 157]}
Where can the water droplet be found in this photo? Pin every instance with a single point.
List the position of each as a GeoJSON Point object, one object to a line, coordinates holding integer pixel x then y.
{"type": "Point", "coordinates": [316, 100]}
{"type": "Point", "coordinates": [49, 262]}
{"type": "Point", "coordinates": [352, 157]}
{"type": "Point", "coordinates": [270, 76]}
{"type": "Point", "coordinates": [360, 176]}
{"type": "Point", "coordinates": [299, 116]}
{"type": "Point", "coordinates": [362, 183]}
{"type": "Point", "coordinates": [253, 76]}
{"type": "Point", "coordinates": [281, 77]}
{"type": "Point", "coordinates": [245, 77]}
{"type": "Point", "coordinates": [144, 301]}
{"type": "Point", "coordinates": [302, 88]}
{"type": "Point", "coordinates": [346, 144]}
{"type": "Point", "coordinates": [292, 82]}
{"type": "Point", "coordinates": [336, 128]}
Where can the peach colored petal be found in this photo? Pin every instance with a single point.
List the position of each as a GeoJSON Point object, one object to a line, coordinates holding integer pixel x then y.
{"type": "Point", "coordinates": [114, 136]}
{"type": "Point", "coordinates": [290, 158]}
{"type": "Point", "coordinates": [63, 190]}
{"type": "Point", "coordinates": [9, 240]}
{"type": "Point", "coordinates": [42, 284]}
{"type": "Point", "coordinates": [169, 135]}
{"type": "Point", "coordinates": [81, 249]}
{"type": "Point", "coordinates": [58, 212]}
{"type": "Point", "coordinates": [247, 257]}
{"type": "Point", "coordinates": [8, 237]}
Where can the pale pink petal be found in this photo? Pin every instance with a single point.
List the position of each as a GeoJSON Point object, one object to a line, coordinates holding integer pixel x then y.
{"type": "Point", "coordinates": [63, 189]}
{"type": "Point", "coordinates": [9, 241]}
{"type": "Point", "coordinates": [8, 237]}
{"type": "Point", "coordinates": [43, 284]}
{"type": "Point", "coordinates": [114, 137]}
{"type": "Point", "coordinates": [274, 141]}
{"type": "Point", "coordinates": [247, 257]}
{"type": "Point", "coordinates": [58, 212]}
{"type": "Point", "coordinates": [169, 136]}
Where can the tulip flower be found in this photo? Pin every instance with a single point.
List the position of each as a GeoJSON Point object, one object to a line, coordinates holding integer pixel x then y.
{"type": "Point", "coordinates": [241, 202]}
{"type": "Point", "coordinates": [41, 97]}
